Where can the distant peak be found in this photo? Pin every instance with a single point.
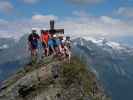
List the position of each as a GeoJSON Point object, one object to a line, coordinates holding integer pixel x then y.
{"type": "Point", "coordinates": [104, 42]}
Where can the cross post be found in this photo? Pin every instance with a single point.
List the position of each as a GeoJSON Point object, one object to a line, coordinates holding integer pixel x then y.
{"type": "Point", "coordinates": [53, 30]}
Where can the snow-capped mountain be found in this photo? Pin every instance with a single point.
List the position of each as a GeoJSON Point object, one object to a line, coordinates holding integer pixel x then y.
{"type": "Point", "coordinates": [105, 43]}
{"type": "Point", "coordinates": [112, 62]}
{"type": "Point", "coordinates": [12, 55]}
{"type": "Point", "coordinates": [10, 50]}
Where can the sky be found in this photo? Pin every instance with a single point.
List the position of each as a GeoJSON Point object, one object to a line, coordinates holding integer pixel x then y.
{"type": "Point", "coordinates": [108, 18]}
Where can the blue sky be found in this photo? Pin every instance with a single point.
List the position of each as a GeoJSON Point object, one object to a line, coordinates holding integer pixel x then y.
{"type": "Point", "coordinates": [110, 18]}
{"type": "Point", "coordinates": [62, 8]}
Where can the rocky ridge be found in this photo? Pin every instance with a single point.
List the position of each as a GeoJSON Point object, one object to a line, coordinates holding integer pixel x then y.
{"type": "Point", "coordinates": [53, 79]}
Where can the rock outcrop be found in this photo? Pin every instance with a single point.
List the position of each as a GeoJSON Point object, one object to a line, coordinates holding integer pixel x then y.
{"type": "Point", "coordinates": [53, 79]}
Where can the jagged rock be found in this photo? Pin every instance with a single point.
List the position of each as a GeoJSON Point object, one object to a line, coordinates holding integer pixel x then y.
{"type": "Point", "coordinates": [56, 80]}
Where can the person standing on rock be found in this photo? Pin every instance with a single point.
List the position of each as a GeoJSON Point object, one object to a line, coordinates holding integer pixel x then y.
{"type": "Point", "coordinates": [44, 39]}
{"type": "Point", "coordinates": [51, 45]}
{"type": "Point", "coordinates": [57, 44]}
{"type": "Point", "coordinates": [33, 43]}
{"type": "Point", "coordinates": [68, 42]}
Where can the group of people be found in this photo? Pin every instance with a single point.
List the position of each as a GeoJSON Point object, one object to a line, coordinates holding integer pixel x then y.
{"type": "Point", "coordinates": [52, 43]}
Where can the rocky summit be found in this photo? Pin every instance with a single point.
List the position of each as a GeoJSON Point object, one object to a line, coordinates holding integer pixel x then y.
{"type": "Point", "coordinates": [53, 79]}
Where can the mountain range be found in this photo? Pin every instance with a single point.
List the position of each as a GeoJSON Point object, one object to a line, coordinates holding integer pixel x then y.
{"type": "Point", "coordinates": [110, 61]}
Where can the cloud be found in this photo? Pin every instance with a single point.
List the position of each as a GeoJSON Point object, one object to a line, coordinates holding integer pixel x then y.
{"type": "Point", "coordinates": [97, 26]}
{"type": "Point", "coordinates": [31, 1]}
{"type": "Point", "coordinates": [82, 2]}
{"type": "Point", "coordinates": [76, 26]}
{"type": "Point", "coordinates": [43, 18]}
{"type": "Point", "coordinates": [18, 28]}
{"type": "Point", "coordinates": [109, 20]}
{"type": "Point", "coordinates": [80, 13]}
{"type": "Point", "coordinates": [6, 6]}
{"type": "Point", "coordinates": [125, 11]}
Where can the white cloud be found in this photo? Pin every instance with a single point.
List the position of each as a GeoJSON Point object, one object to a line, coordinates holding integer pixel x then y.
{"type": "Point", "coordinates": [76, 26]}
{"type": "Point", "coordinates": [80, 2]}
{"type": "Point", "coordinates": [80, 13]}
{"type": "Point", "coordinates": [44, 18]}
{"type": "Point", "coordinates": [125, 11]}
{"type": "Point", "coordinates": [18, 28]}
{"type": "Point", "coordinates": [6, 6]}
{"type": "Point", "coordinates": [109, 20]}
{"type": "Point", "coordinates": [97, 26]}
{"type": "Point", "coordinates": [31, 1]}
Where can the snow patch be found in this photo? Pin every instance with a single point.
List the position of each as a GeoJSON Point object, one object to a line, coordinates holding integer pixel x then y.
{"type": "Point", "coordinates": [5, 46]}
{"type": "Point", "coordinates": [99, 42]}
{"type": "Point", "coordinates": [104, 42]}
{"type": "Point", "coordinates": [114, 45]}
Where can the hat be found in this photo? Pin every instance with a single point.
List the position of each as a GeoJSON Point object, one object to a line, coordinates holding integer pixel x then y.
{"type": "Point", "coordinates": [43, 28]}
{"type": "Point", "coordinates": [60, 35]}
{"type": "Point", "coordinates": [54, 35]}
{"type": "Point", "coordinates": [64, 38]}
{"type": "Point", "coordinates": [33, 29]}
